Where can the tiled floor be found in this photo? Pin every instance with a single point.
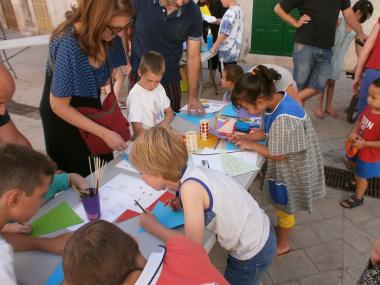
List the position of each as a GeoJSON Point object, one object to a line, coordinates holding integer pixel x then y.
{"type": "Point", "coordinates": [330, 246]}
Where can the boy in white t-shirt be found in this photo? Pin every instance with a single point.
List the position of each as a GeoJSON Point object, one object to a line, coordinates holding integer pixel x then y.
{"type": "Point", "coordinates": [25, 176]}
{"type": "Point", "coordinates": [147, 103]}
{"type": "Point", "coordinates": [228, 43]}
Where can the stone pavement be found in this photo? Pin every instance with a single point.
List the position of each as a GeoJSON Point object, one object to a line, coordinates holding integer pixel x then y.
{"type": "Point", "coordinates": [330, 246]}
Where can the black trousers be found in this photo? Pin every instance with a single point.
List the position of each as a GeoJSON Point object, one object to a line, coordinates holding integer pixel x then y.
{"type": "Point", "coordinates": [63, 141]}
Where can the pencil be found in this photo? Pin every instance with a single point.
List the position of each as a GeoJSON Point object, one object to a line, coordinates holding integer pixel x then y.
{"type": "Point", "coordinates": [141, 207]}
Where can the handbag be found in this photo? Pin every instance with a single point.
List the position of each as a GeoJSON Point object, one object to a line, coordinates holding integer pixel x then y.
{"type": "Point", "coordinates": [109, 116]}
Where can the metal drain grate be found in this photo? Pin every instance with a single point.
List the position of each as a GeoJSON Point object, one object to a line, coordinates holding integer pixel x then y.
{"type": "Point", "coordinates": [341, 179]}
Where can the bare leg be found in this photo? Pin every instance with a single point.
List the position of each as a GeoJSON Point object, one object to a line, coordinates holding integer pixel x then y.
{"type": "Point", "coordinates": [319, 111]}
{"type": "Point", "coordinates": [10, 134]}
{"type": "Point", "coordinates": [361, 187]}
{"type": "Point", "coordinates": [329, 97]}
{"type": "Point", "coordinates": [283, 235]}
{"type": "Point", "coordinates": [307, 93]}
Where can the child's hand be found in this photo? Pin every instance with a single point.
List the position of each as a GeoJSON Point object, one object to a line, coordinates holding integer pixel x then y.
{"type": "Point", "coordinates": [78, 181]}
{"type": "Point", "coordinates": [234, 137]}
{"type": "Point", "coordinates": [305, 19]}
{"type": "Point", "coordinates": [148, 221]}
{"type": "Point", "coordinates": [174, 203]}
{"type": "Point", "coordinates": [245, 144]}
{"type": "Point", "coordinates": [359, 143]}
{"type": "Point", "coordinates": [16, 228]}
{"type": "Point", "coordinates": [353, 136]}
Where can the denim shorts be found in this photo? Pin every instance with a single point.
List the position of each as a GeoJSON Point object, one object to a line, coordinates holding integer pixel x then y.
{"type": "Point", "coordinates": [251, 271]}
{"type": "Point", "coordinates": [312, 66]}
{"type": "Point", "coordinates": [369, 76]}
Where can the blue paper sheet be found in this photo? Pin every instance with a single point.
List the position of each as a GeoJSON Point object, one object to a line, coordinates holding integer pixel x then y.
{"type": "Point", "coordinates": [57, 277]}
{"type": "Point", "coordinates": [229, 110]}
{"type": "Point", "coordinates": [194, 119]}
{"type": "Point", "coordinates": [167, 216]}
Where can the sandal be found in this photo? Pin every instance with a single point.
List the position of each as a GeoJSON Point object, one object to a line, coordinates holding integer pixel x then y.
{"type": "Point", "coordinates": [352, 202]}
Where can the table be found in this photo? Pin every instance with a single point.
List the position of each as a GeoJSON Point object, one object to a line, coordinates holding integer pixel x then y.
{"type": "Point", "coordinates": [34, 267]}
{"type": "Point", "coordinates": [24, 43]}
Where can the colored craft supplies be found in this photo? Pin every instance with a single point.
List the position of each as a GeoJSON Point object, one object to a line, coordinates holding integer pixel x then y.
{"type": "Point", "coordinates": [191, 141]}
{"type": "Point", "coordinates": [204, 129]}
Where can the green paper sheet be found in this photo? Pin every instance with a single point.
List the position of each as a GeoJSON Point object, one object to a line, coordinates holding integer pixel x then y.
{"type": "Point", "coordinates": [60, 217]}
{"type": "Point", "coordinates": [234, 166]}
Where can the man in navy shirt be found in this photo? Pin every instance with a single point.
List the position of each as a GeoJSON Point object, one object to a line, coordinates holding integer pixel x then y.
{"type": "Point", "coordinates": [163, 26]}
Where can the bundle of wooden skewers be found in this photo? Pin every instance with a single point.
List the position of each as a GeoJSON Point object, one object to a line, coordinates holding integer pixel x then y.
{"type": "Point", "coordinates": [96, 178]}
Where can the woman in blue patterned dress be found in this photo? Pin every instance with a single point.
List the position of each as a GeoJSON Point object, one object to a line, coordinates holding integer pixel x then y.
{"type": "Point", "coordinates": [84, 51]}
{"type": "Point", "coordinates": [294, 174]}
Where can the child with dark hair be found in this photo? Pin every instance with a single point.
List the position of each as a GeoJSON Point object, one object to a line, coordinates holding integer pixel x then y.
{"type": "Point", "coordinates": [147, 103]}
{"type": "Point", "coordinates": [230, 74]}
{"type": "Point", "coordinates": [294, 176]}
{"type": "Point", "coordinates": [25, 176]}
{"type": "Point", "coordinates": [101, 253]}
{"type": "Point", "coordinates": [366, 139]}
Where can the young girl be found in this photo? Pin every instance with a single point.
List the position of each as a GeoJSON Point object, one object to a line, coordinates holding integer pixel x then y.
{"type": "Point", "coordinates": [366, 138]}
{"type": "Point", "coordinates": [209, 199]}
{"type": "Point", "coordinates": [230, 74]}
{"type": "Point", "coordinates": [294, 175]}
{"type": "Point", "coordinates": [343, 37]}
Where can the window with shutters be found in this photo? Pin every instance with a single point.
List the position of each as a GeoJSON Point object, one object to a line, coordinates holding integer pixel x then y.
{"type": "Point", "coordinates": [270, 35]}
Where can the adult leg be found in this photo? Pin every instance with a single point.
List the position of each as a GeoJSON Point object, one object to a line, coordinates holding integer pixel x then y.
{"type": "Point", "coordinates": [173, 91]}
{"type": "Point", "coordinates": [303, 64]}
{"type": "Point", "coordinates": [321, 71]}
{"type": "Point", "coordinates": [9, 132]}
{"type": "Point", "coordinates": [319, 111]}
{"type": "Point", "coordinates": [329, 96]}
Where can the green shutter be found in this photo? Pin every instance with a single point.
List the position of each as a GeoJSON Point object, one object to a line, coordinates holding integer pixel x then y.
{"type": "Point", "coordinates": [270, 35]}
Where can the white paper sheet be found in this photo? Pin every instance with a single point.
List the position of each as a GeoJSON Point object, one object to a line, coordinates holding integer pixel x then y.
{"type": "Point", "coordinates": [209, 19]}
{"type": "Point", "coordinates": [211, 108]}
{"type": "Point", "coordinates": [118, 195]}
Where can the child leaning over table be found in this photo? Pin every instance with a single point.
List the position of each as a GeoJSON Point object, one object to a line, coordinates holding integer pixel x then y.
{"type": "Point", "coordinates": [25, 176]}
{"type": "Point", "coordinates": [147, 103]}
{"type": "Point", "coordinates": [101, 253]}
{"type": "Point", "coordinates": [230, 74]}
{"type": "Point", "coordinates": [61, 182]}
{"type": "Point", "coordinates": [366, 138]}
{"type": "Point", "coordinates": [209, 199]}
{"type": "Point", "coordinates": [294, 176]}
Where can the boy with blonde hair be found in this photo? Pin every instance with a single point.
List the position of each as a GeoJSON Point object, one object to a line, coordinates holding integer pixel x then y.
{"type": "Point", "coordinates": [147, 103]}
{"type": "Point", "coordinates": [25, 176]}
{"type": "Point", "coordinates": [209, 199]}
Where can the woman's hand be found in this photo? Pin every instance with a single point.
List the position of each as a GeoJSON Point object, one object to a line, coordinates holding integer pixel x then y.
{"type": "Point", "coordinates": [115, 141]}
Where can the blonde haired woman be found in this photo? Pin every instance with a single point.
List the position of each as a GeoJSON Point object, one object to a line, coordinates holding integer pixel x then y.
{"type": "Point", "coordinates": [84, 51]}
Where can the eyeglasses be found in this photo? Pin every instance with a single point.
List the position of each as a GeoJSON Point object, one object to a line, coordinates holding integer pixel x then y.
{"type": "Point", "coordinates": [115, 30]}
